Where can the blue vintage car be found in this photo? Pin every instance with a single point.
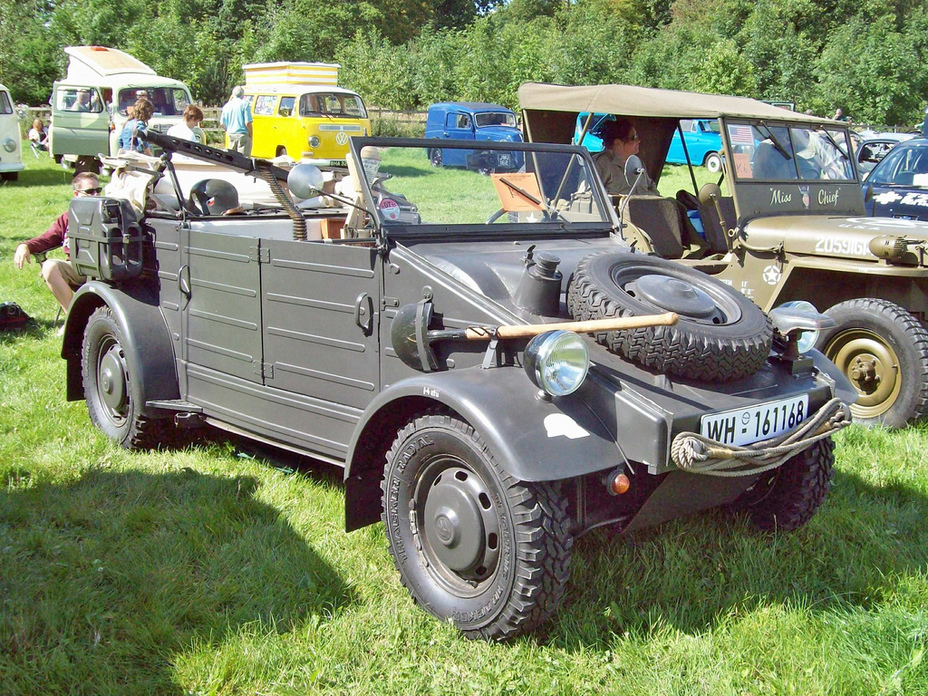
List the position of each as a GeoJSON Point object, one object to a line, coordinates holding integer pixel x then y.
{"type": "Point", "coordinates": [703, 143]}
{"type": "Point", "coordinates": [473, 121]}
{"type": "Point", "coordinates": [703, 140]}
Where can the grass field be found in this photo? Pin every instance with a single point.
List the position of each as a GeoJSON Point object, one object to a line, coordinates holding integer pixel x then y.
{"type": "Point", "coordinates": [218, 568]}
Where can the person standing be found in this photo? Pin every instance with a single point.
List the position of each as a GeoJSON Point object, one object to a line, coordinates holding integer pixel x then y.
{"type": "Point", "coordinates": [59, 274]}
{"type": "Point", "coordinates": [190, 128]}
{"type": "Point", "coordinates": [237, 121]}
{"type": "Point", "coordinates": [132, 136]}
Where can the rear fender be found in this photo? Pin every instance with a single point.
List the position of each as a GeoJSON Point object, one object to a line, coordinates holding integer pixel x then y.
{"type": "Point", "coordinates": [532, 439]}
{"type": "Point", "coordinates": [147, 344]}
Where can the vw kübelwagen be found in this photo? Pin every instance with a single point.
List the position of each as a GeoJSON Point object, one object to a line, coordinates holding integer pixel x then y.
{"type": "Point", "coordinates": [494, 368]}
{"type": "Point", "coordinates": [785, 222]}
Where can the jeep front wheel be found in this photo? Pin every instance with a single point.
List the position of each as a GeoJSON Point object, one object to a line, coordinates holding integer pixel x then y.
{"type": "Point", "coordinates": [883, 350]}
{"type": "Point", "coordinates": [472, 544]}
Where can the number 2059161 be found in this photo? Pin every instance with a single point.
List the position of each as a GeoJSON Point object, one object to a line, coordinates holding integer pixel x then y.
{"type": "Point", "coordinates": [744, 426]}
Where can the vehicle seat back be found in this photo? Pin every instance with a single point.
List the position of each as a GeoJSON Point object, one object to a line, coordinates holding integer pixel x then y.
{"type": "Point", "coordinates": [659, 219]}
{"type": "Point", "coordinates": [713, 227]}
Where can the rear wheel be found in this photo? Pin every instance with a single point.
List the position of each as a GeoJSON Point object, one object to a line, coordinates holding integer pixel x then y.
{"type": "Point", "coordinates": [435, 158]}
{"type": "Point", "coordinates": [111, 388]}
{"type": "Point", "coordinates": [883, 350]}
{"type": "Point", "coordinates": [472, 544]}
{"type": "Point", "coordinates": [281, 151]}
{"type": "Point", "coordinates": [713, 162]}
{"type": "Point", "coordinates": [9, 176]}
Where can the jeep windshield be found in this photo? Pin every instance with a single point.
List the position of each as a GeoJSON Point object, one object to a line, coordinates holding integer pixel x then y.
{"type": "Point", "coordinates": [506, 185]}
{"type": "Point", "coordinates": [778, 152]}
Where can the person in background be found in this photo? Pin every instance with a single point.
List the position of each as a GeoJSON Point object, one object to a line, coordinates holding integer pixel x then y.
{"type": "Point", "coordinates": [839, 115]}
{"type": "Point", "coordinates": [620, 141]}
{"type": "Point", "coordinates": [190, 128]}
{"type": "Point", "coordinates": [132, 136]}
{"type": "Point", "coordinates": [59, 274]}
{"type": "Point", "coordinates": [237, 121]}
{"type": "Point", "coordinates": [38, 135]}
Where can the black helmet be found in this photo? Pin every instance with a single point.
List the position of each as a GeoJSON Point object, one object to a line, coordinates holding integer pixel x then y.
{"type": "Point", "coordinates": [213, 197]}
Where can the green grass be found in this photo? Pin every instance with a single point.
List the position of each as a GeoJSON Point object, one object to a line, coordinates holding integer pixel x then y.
{"type": "Point", "coordinates": [219, 568]}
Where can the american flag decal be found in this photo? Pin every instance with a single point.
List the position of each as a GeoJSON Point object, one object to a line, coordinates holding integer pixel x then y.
{"type": "Point", "coordinates": [740, 135]}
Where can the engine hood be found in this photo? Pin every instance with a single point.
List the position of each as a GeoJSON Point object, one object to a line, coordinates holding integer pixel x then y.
{"type": "Point", "coordinates": [843, 237]}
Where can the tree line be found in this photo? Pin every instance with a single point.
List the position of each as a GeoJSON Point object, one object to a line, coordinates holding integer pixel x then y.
{"type": "Point", "coordinates": [865, 56]}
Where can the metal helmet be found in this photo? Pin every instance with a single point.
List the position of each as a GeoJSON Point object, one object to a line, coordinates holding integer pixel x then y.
{"type": "Point", "coordinates": [213, 197]}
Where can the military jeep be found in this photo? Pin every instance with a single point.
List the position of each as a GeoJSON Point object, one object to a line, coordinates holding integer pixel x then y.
{"type": "Point", "coordinates": [790, 225]}
{"type": "Point", "coordinates": [493, 366]}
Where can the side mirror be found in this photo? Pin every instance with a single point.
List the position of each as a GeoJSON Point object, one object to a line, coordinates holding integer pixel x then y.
{"type": "Point", "coordinates": [305, 181]}
{"type": "Point", "coordinates": [633, 169]}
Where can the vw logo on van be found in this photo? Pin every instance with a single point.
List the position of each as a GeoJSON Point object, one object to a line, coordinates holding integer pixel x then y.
{"type": "Point", "coordinates": [341, 138]}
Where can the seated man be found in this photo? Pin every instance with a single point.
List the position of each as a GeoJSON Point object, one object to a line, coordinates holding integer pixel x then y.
{"type": "Point", "coordinates": [59, 274]}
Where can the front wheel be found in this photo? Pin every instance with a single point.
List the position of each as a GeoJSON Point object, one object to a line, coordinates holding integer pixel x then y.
{"type": "Point", "coordinates": [9, 176]}
{"type": "Point", "coordinates": [435, 158]}
{"type": "Point", "coordinates": [111, 388]}
{"type": "Point", "coordinates": [472, 544]}
{"type": "Point", "coordinates": [787, 497]}
{"type": "Point", "coordinates": [883, 350]}
{"type": "Point", "coordinates": [713, 162]}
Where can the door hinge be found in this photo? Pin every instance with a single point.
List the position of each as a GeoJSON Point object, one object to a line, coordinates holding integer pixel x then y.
{"type": "Point", "coordinates": [266, 370]}
{"type": "Point", "coordinates": [259, 254]}
{"type": "Point", "coordinates": [388, 302]}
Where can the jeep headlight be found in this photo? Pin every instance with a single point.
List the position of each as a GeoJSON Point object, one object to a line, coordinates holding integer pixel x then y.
{"type": "Point", "coordinates": [9, 145]}
{"type": "Point", "coordinates": [314, 141]}
{"type": "Point", "coordinates": [557, 362]}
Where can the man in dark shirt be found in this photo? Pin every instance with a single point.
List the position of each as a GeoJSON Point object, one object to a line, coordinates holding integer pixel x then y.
{"type": "Point", "coordinates": [59, 274]}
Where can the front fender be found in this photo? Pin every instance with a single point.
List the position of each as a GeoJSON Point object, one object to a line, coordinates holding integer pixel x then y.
{"type": "Point", "coordinates": [148, 347]}
{"type": "Point", "coordinates": [532, 439]}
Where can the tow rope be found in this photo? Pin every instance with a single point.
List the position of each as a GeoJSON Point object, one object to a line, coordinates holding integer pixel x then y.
{"type": "Point", "coordinates": [701, 455]}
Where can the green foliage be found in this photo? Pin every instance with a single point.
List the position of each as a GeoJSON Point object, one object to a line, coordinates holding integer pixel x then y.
{"type": "Point", "coordinates": [866, 55]}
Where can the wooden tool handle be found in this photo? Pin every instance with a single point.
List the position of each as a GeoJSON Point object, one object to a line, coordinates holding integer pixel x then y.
{"type": "Point", "coordinates": [477, 333]}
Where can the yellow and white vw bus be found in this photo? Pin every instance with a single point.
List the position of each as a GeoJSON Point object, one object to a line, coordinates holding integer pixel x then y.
{"type": "Point", "coordinates": [300, 111]}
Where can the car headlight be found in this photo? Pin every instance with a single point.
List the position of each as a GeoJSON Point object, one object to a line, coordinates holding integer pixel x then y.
{"type": "Point", "coordinates": [9, 145]}
{"type": "Point", "coordinates": [557, 362]}
{"type": "Point", "coordinates": [314, 141]}
{"type": "Point", "coordinates": [800, 315]}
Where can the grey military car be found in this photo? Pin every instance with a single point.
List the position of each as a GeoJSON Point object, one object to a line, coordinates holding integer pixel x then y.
{"type": "Point", "coordinates": [494, 368]}
{"type": "Point", "coordinates": [784, 222]}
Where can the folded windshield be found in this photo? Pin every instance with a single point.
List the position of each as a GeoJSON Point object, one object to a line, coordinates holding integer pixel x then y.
{"type": "Point", "coordinates": [416, 186]}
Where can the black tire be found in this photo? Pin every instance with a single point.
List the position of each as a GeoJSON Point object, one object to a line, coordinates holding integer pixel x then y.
{"type": "Point", "coordinates": [883, 350]}
{"type": "Point", "coordinates": [112, 393]}
{"type": "Point", "coordinates": [280, 151]}
{"type": "Point", "coordinates": [472, 544]}
{"type": "Point", "coordinates": [9, 176]}
{"type": "Point", "coordinates": [787, 497]}
{"type": "Point", "coordinates": [435, 158]}
{"type": "Point", "coordinates": [713, 162]}
{"type": "Point", "coordinates": [729, 342]}
{"type": "Point", "coordinates": [87, 164]}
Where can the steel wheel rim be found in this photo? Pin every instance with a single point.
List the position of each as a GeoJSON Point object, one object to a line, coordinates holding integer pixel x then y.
{"type": "Point", "coordinates": [872, 367]}
{"type": "Point", "coordinates": [112, 382]}
{"type": "Point", "coordinates": [455, 517]}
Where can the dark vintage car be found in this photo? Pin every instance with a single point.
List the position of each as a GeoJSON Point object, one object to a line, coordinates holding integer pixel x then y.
{"type": "Point", "coordinates": [871, 148]}
{"type": "Point", "coordinates": [898, 186]}
{"type": "Point", "coordinates": [785, 221]}
{"type": "Point", "coordinates": [493, 366]}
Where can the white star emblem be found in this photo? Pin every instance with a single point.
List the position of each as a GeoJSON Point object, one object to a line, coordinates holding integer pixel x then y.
{"type": "Point", "coordinates": [772, 275]}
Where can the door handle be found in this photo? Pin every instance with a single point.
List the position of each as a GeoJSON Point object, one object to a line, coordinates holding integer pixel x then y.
{"type": "Point", "coordinates": [364, 313]}
{"type": "Point", "coordinates": [183, 281]}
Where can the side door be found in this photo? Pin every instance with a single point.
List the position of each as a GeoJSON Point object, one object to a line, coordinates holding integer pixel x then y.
{"type": "Point", "coordinates": [80, 123]}
{"type": "Point", "coordinates": [321, 310]}
{"type": "Point", "coordinates": [265, 134]}
{"type": "Point", "coordinates": [459, 125]}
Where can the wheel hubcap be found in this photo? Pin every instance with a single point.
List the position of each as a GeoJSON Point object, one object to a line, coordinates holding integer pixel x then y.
{"type": "Point", "coordinates": [458, 525]}
{"type": "Point", "coordinates": [872, 367]}
{"type": "Point", "coordinates": [111, 381]}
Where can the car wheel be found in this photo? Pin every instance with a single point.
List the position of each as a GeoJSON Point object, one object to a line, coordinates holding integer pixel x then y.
{"type": "Point", "coordinates": [110, 388]}
{"type": "Point", "coordinates": [883, 350]}
{"type": "Point", "coordinates": [281, 151]}
{"type": "Point", "coordinates": [720, 335]}
{"type": "Point", "coordinates": [713, 162]}
{"type": "Point", "coordinates": [787, 497]}
{"type": "Point", "coordinates": [9, 176]}
{"type": "Point", "coordinates": [87, 164]}
{"type": "Point", "coordinates": [435, 157]}
{"type": "Point", "coordinates": [472, 544]}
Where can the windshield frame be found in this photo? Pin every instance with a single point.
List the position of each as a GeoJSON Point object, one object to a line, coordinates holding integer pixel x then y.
{"type": "Point", "coordinates": [468, 231]}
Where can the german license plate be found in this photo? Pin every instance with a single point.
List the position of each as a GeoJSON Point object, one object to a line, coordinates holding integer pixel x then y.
{"type": "Point", "coordinates": [744, 426]}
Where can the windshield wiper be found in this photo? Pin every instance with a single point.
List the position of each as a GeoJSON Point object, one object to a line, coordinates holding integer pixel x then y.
{"type": "Point", "coordinates": [833, 142]}
{"type": "Point", "coordinates": [776, 143]}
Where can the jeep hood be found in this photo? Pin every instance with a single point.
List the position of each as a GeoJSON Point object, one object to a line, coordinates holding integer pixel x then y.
{"type": "Point", "coordinates": [820, 235]}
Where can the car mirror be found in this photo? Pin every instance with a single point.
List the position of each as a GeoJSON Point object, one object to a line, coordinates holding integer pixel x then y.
{"type": "Point", "coordinates": [633, 168]}
{"type": "Point", "coordinates": [305, 181]}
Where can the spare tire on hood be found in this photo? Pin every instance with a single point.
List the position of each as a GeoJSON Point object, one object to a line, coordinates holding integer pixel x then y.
{"type": "Point", "coordinates": [721, 334]}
